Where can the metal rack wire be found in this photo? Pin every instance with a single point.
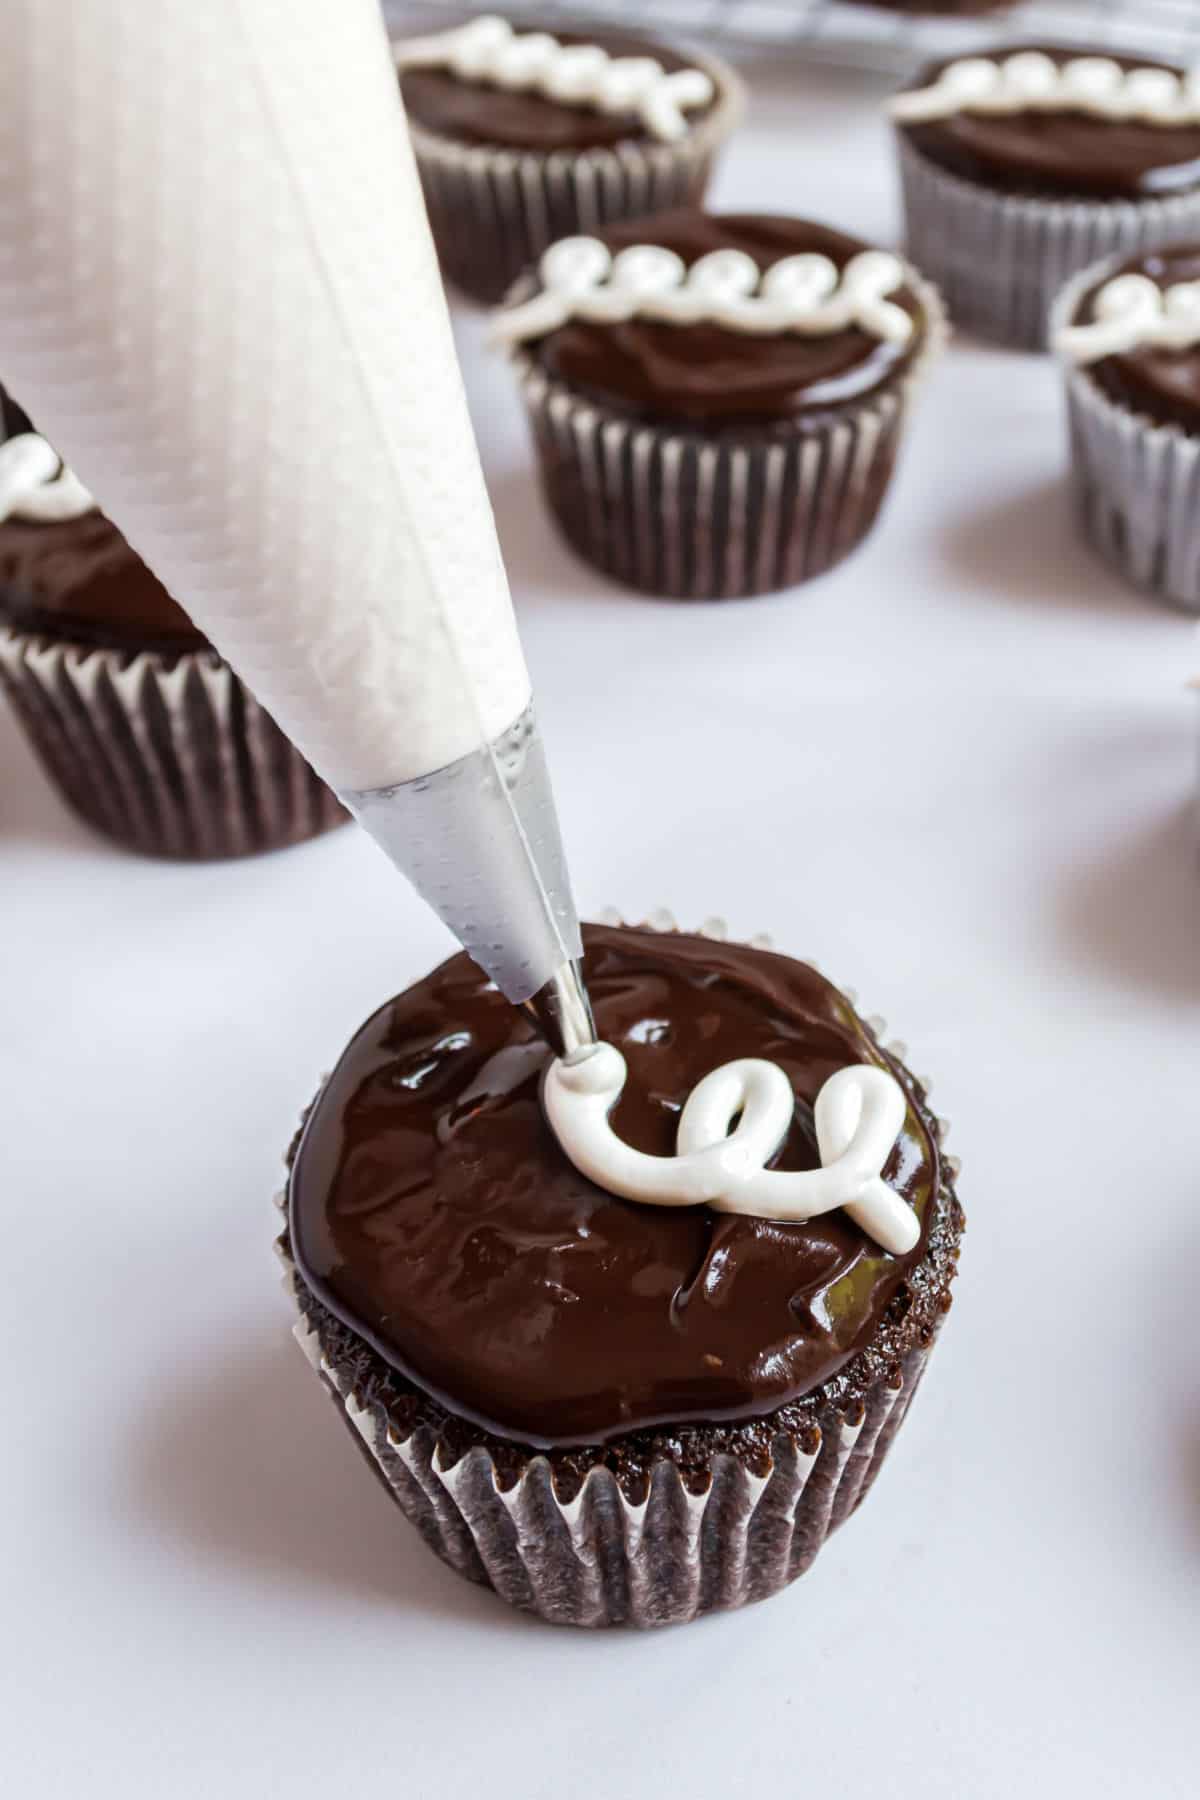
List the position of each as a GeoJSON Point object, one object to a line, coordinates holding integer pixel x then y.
{"type": "Point", "coordinates": [849, 31]}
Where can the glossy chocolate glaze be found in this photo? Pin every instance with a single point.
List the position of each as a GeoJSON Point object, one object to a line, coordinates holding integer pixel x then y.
{"type": "Point", "coordinates": [708, 375]}
{"type": "Point", "coordinates": [1162, 385]}
{"type": "Point", "coordinates": [433, 1212]}
{"type": "Point", "coordinates": [1060, 153]}
{"type": "Point", "coordinates": [472, 112]}
{"type": "Point", "coordinates": [80, 579]}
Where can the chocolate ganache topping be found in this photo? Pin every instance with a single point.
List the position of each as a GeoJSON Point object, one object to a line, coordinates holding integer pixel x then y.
{"type": "Point", "coordinates": [434, 1213]}
{"type": "Point", "coordinates": [80, 579]}
{"type": "Point", "coordinates": [1069, 152]}
{"type": "Point", "coordinates": [479, 113]}
{"type": "Point", "coordinates": [1160, 384]}
{"type": "Point", "coordinates": [706, 373]}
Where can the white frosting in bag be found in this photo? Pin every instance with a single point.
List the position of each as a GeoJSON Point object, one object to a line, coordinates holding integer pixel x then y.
{"type": "Point", "coordinates": [489, 51]}
{"type": "Point", "coordinates": [803, 294]}
{"type": "Point", "coordinates": [256, 378]}
{"type": "Point", "coordinates": [1031, 81]}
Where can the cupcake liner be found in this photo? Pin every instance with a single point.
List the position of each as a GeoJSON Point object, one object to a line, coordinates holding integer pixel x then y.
{"type": "Point", "coordinates": [169, 755]}
{"type": "Point", "coordinates": [604, 1558]}
{"type": "Point", "coordinates": [688, 516]}
{"type": "Point", "coordinates": [589, 1552]}
{"type": "Point", "coordinates": [493, 211]}
{"type": "Point", "coordinates": [1000, 259]}
{"type": "Point", "coordinates": [1136, 483]}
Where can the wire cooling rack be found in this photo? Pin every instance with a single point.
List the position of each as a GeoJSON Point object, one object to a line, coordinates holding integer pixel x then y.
{"type": "Point", "coordinates": [875, 37]}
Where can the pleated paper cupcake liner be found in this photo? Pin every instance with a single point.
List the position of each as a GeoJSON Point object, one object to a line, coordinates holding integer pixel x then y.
{"type": "Point", "coordinates": [168, 755]}
{"type": "Point", "coordinates": [1136, 483]}
{"type": "Point", "coordinates": [594, 1550]}
{"type": "Point", "coordinates": [602, 1558]}
{"type": "Point", "coordinates": [1000, 259]}
{"type": "Point", "coordinates": [494, 211]}
{"type": "Point", "coordinates": [688, 516]}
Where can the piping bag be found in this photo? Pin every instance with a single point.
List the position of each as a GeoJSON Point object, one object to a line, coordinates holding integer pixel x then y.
{"type": "Point", "coordinates": [219, 300]}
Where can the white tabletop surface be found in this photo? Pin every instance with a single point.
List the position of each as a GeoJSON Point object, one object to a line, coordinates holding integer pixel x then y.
{"type": "Point", "coordinates": [957, 773]}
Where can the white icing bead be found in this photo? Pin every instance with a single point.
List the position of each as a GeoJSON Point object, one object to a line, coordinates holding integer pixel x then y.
{"type": "Point", "coordinates": [1030, 81]}
{"type": "Point", "coordinates": [630, 79]}
{"type": "Point", "coordinates": [523, 61]}
{"type": "Point", "coordinates": [1183, 305]}
{"type": "Point", "coordinates": [489, 51]}
{"type": "Point", "coordinates": [1134, 313]}
{"type": "Point", "coordinates": [575, 74]}
{"type": "Point", "coordinates": [36, 485]}
{"type": "Point", "coordinates": [802, 294]}
{"type": "Point", "coordinates": [1148, 91]}
{"type": "Point", "coordinates": [858, 1115]}
{"type": "Point", "coordinates": [1030, 72]}
{"type": "Point", "coordinates": [664, 106]}
{"type": "Point", "coordinates": [1095, 81]}
{"type": "Point", "coordinates": [802, 281]}
{"type": "Point", "coordinates": [724, 275]}
{"type": "Point", "coordinates": [575, 264]}
{"type": "Point", "coordinates": [644, 271]}
{"type": "Point", "coordinates": [478, 46]}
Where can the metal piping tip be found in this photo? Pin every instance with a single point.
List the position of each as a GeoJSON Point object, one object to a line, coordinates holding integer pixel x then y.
{"type": "Point", "coordinates": [562, 1013]}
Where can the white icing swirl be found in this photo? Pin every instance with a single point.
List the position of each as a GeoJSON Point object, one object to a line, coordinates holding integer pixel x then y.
{"type": "Point", "coordinates": [489, 51]}
{"type": "Point", "coordinates": [1134, 313]}
{"type": "Point", "coordinates": [36, 485]}
{"type": "Point", "coordinates": [802, 294]}
{"type": "Point", "coordinates": [858, 1115]}
{"type": "Point", "coordinates": [1031, 81]}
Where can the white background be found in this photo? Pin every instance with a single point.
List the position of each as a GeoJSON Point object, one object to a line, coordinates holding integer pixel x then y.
{"type": "Point", "coordinates": [957, 773]}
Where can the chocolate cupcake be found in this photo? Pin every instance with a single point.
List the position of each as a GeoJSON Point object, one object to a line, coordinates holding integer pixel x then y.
{"type": "Point", "coordinates": [611, 1412]}
{"type": "Point", "coordinates": [522, 138]}
{"type": "Point", "coordinates": [149, 736]}
{"type": "Point", "coordinates": [1128, 335]}
{"type": "Point", "coordinates": [1025, 166]}
{"type": "Point", "coordinates": [717, 400]}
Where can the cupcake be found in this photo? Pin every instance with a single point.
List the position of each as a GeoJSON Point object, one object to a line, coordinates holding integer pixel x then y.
{"type": "Point", "coordinates": [717, 400]}
{"type": "Point", "coordinates": [522, 138]}
{"type": "Point", "coordinates": [1022, 168]}
{"type": "Point", "coordinates": [149, 736]}
{"type": "Point", "coordinates": [1128, 335]}
{"type": "Point", "coordinates": [610, 1412]}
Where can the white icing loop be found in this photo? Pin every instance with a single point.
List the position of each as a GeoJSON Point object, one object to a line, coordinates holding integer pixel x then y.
{"type": "Point", "coordinates": [802, 294]}
{"type": "Point", "coordinates": [1134, 313]}
{"type": "Point", "coordinates": [1031, 81]}
{"type": "Point", "coordinates": [489, 51]}
{"type": "Point", "coordinates": [35, 485]}
{"type": "Point", "coordinates": [859, 1114]}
